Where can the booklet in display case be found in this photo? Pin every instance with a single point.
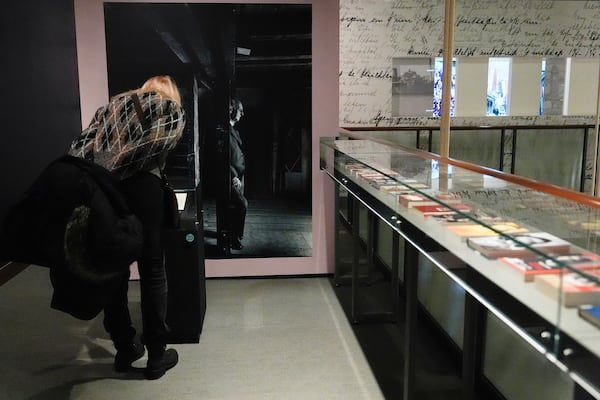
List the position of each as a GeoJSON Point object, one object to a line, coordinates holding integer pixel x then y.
{"type": "Point", "coordinates": [436, 209]}
{"type": "Point", "coordinates": [590, 313]}
{"type": "Point", "coordinates": [537, 265]}
{"type": "Point", "coordinates": [574, 289]}
{"type": "Point", "coordinates": [469, 218]}
{"type": "Point", "coordinates": [474, 230]}
{"type": "Point", "coordinates": [501, 246]}
{"type": "Point", "coordinates": [416, 199]}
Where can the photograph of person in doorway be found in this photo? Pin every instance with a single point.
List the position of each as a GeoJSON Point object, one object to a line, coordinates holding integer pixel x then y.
{"type": "Point", "coordinates": [237, 166]}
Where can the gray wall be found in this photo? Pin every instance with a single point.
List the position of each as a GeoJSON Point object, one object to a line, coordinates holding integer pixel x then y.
{"type": "Point", "coordinates": [39, 112]}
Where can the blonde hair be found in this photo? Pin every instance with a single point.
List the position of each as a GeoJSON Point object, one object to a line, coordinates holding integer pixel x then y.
{"type": "Point", "coordinates": [163, 84]}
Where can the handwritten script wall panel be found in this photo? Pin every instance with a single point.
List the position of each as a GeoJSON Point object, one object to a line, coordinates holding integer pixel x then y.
{"type": "Point", "coordinates": [372, 32]}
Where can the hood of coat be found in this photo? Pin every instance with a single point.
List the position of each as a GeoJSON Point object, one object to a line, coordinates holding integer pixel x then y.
{"type": "Point", "coordinates": [117, 140]}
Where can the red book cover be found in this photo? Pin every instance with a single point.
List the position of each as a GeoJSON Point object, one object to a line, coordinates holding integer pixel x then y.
{"type": "Point", "coordinates": [574, 289]}
{"type": "Point", "coordinates": [438, 209]}
{"type": "Point", "coordinates": [538, 265]}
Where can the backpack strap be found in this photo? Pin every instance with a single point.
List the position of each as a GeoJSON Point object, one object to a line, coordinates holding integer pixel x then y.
{"type": "Point", "coordinates": [140, 112]}
{"type": "Point", "coordinates": [107, 181]}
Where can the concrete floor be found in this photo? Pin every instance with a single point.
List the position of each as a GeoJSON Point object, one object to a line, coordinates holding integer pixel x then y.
{"type": "Point", "coordinates": [262, 339]}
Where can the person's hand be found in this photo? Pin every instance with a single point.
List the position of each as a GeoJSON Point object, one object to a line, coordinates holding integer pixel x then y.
{"type": "Point", "coordinates": [237, 184]}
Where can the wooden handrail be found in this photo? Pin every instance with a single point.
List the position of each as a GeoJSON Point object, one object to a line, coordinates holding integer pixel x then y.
{"type": "Point", "coordinates": [461, 128]}
{"type": "Point", "coordinates": [519, 180]}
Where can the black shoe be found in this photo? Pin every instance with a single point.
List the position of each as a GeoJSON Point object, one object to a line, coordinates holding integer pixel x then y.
{"type": "Point", "coordinates": [126, 357]}
{"type": "Point", "coordinates": [236, 244]}
{"type": "Point", "coordinates": [158, 365]}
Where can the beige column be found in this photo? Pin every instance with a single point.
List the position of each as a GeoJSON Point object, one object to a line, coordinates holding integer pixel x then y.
{"type": "Point", "coordinates": [448, 52]}
{"type": "Point", "coordinates": [595, 165]}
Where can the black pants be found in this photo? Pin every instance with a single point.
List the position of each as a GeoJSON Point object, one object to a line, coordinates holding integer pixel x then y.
{"type": "Point", "coordinates": [144, 193]}
{"type": "Point", "coordinates": [239, 206]}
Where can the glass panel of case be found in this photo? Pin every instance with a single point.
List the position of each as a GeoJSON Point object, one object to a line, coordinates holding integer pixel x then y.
{"type": "Point", "coordinates": [539, 248]}
{"type": "Point", "coordinates": [478, 146]}
{"type": "Point", "coordinates": [343, 238]}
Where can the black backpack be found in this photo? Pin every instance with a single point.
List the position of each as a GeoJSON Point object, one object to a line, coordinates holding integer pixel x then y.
{"type": "Point", "coordinates": [74, 220]}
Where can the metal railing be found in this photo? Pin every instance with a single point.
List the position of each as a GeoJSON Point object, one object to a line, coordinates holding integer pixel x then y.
{"type": "Point", "coordinates": [557, 154]}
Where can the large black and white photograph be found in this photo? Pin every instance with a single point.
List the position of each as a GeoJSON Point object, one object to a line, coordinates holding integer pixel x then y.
{"type": "Point", "coordinates": [244, 72]}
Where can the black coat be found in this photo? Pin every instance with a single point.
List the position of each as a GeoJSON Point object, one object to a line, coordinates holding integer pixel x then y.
{"type": "Point", "coordinates": [33, 232]}
{"type": "Point", "coordinates": [236, 155]}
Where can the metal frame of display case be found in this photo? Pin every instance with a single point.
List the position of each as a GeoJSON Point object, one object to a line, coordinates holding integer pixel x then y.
{"type": "Point", "coordinates": [352, 224]}
{"type": "Point", "coordinates": [542, 331]}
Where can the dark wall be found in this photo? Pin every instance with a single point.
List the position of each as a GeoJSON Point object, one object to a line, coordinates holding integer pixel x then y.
{"type": "Point", "coordinates": [39, 110]}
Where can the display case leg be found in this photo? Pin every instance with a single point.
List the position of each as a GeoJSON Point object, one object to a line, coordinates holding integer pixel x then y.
{"type": "Point", "coordinates": [355, 259]}
{"type": "Point", "coordinates": [411, 268]}
{"type": "Point", "coordinates": [472, 345]}
{"type": "Point", "coordinates": [337, 274]}
{"type": "Point", "coordinates": [395, 280]}
{"type": "Point", "coordinates": [370, 246]}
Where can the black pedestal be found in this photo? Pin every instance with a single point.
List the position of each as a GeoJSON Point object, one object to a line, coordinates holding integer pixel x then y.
{"type": "Point", "coordinates": [184, 261]}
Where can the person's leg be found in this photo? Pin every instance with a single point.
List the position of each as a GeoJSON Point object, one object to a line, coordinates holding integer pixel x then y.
{"type": "Point", "coordinates": [242, 216]}
{"type": "Point", "coordinates": [117, 322]}
{"type": "Point", "coordinates": [238, 217]}
{"type": "Point", "coordinates": [153, 287]}
{"type": "Point", "coordinates": [145, 196]}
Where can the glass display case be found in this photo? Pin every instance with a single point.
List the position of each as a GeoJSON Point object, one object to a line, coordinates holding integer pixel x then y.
{"type": "Point", "coordinates": [520, 260]}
